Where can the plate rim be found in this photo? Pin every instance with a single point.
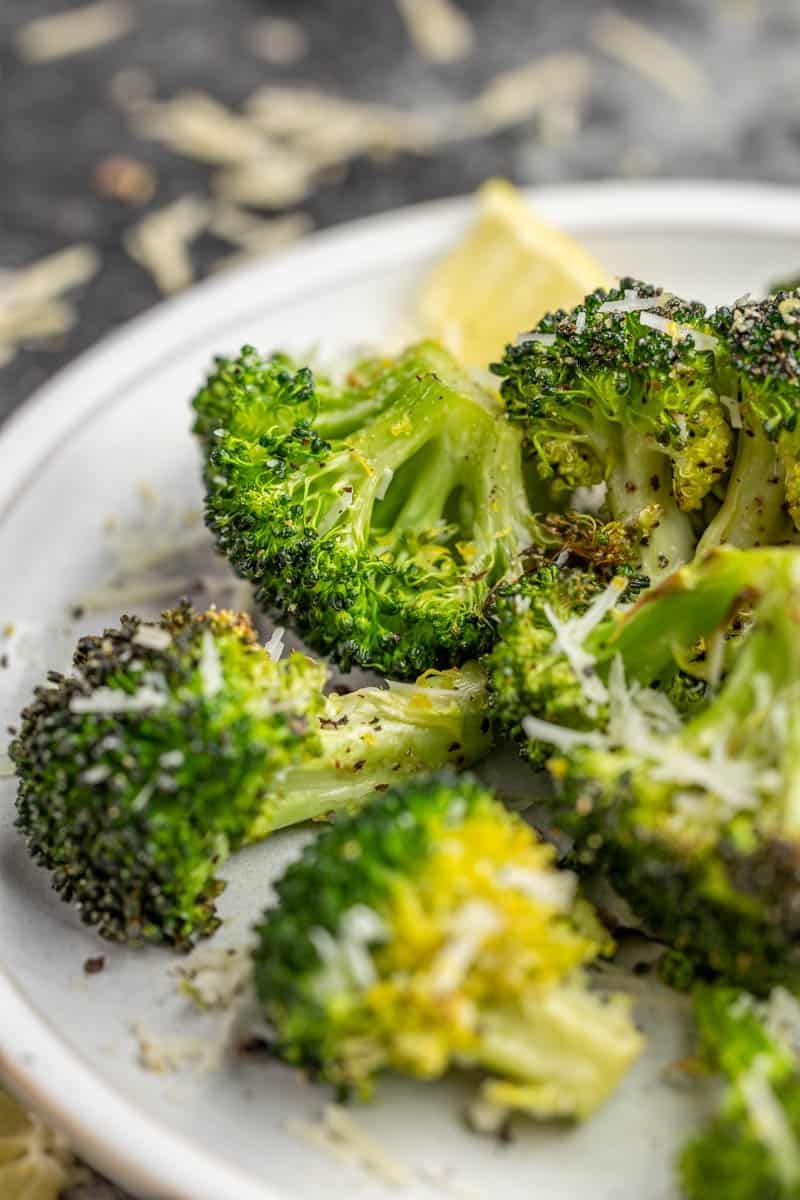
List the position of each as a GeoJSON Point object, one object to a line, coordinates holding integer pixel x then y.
{"type": "Point", "coordinates": [142, 1154]}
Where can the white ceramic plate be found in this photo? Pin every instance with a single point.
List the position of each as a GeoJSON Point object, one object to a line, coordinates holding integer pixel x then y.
{"type": "Point", "coordinates": [77, 454]}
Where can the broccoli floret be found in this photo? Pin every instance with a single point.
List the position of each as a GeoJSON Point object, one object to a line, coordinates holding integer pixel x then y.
{"type": "Point", "coordinates": [433, 930]}
{"type": "Point", "coordinates": [695, 821]}
{"type": "Point", "coordinates": [173, 745]}
{"type": "Point", "coordinates": [561, 627]}
{"type": "Point", "coordinates": [751, 1149]}
{"type": "Point", "coordinates": [374, 517]}
{"type": "Point", "coordinates": [759, 374]}
{"type": "Point", "coordinates": [539, 616]}
{"type": "Point", "coordinates": [621, 391]}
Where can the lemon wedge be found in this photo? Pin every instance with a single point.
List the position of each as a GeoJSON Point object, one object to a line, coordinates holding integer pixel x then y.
{"type": "Point", "coordinates": [510, 268]}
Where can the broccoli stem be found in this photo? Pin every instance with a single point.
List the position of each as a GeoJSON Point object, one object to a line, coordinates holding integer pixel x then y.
{"type": "Point", "coordinates": [752, 512]}
{"type": "Point", "coordinates": [700, 599]}
{"type": "Point", "coordinates": [500, 498]}
{"type": "Point", "coordinates": [640, 479]}
{"type": "Point", "coordinates": [576, 1038]}
{"type": "Point", "coordinates": [421, 412]}
{"type": "Point", "coordinates": [640, 491]}
{"type": "Point", "coordinates": [435, 480]}
{"type": "Point", "coordinates": [372, 738]}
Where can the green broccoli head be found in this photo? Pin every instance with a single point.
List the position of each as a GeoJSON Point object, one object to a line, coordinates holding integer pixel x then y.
{"type": "Point", "coordinates": [759, 377]}
{"type": "Point", "coordinates": [433, 930]}
{"type": "Point", "coordinates": [375, 516]}
{"type": "Point", "coordinates": [696, 820]}
{"type": "Point", "coordinates": [175, 744]}
{"type": "Point", "coordinates": [139, 773]}
{"type": "Point", "coordinates": [622, 391]}
{"type": "Point", "coordinates": [540, 616]}
{"type": "Point", "coordinates": [751, 1149]}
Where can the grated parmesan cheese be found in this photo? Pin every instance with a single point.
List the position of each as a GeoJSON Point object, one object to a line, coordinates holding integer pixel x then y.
{"type": "Point", "coordinates": [652, 56]}
{"type": "Point", "coordinates": [326, 130]}
{"type": "Point", "coordinates": [469, 928]}
{"type": "Point", "coordinates": [339, 1135]}
{"type": "Point", "coordinates": [152, 637]}
{"type": "Point", "coordinates": [211, 677]}
{"type": "Point", "coordinates": [346, 957]}
{"type": "Point", "coordinates": [30, 303]}
{"type": "Point", "coordinates": [165, 1054]}
{"type": "Point", "coordinates": [79, 29]}
{"type": "Point", "coordinates": [673, 329]}
{"type": "Point", "coordinates": [160, 242]}
{"type": "Point", "coordinates": [641, 720]}
{"type": "Point", "coordinates": [783, 1019]}
{"type": "Point", "coordinates": [276, 179]}
{"type": "Point", "coordinates": [50, 276]}
{"type": "Point", "coordinates": [770, 1122]}
{"type": "Point", "coordinates": [386, 477]}
{"type": "Point", "coordinates": [734, 412]}
{"type": "Point", "coordinates": [516, 96]}
{"type": "Point", "coordinates": [632, 302]}
{"type": "Point", "coordinates": [274, 645]}
{"type": "Point", "coordinates": [96, 774]}
{"type": "Point", "coordinates": [254, 234]}
{"type": "Point", "coordinates": [571, 635]}
{"type": "Point", "coordinates": [554, 889]}
{"type": "Point", "coordinates": [197, 126]}
{"type": "Point", "coordinates": [440, 32]}
{"type": "Point", "coordinates": [215, 978]}
{"type": "Point", "coordinates": [111, 702]}
{"type": "Point", "coordinates": [558, 735]}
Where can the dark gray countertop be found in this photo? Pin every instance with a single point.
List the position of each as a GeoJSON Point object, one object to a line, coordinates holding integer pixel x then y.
{"type": "Point", "coordinates": [57, 122]}
{"type": "Point", "coordinates": [740, 119]}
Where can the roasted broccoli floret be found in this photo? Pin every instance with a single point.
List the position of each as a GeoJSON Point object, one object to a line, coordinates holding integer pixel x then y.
{"type": "Point", "coordinates": [172, 745]}
{"type": "Point", "coordinates": [375, 517]}
{"type": "Point", "coordinates": [759, 376]}
{"type": "Point", "coordinates": [434, 930]}
{"type": "Point", "coordinates": [621, 391]}
{"type": "Point", "coordinates": [552, 623]}
{"type": "Point", "coordinates": [695, 821]}
{"type": "Point", "coordinates": [751, 1149]}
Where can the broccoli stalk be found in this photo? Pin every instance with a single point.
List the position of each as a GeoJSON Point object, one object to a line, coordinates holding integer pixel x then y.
{"type": "Point", "coordinates": [753, 511]}
{"type": "Point", "coordinates": [751, 1149]}
{"type": "Point", "coordinates": [621, 391]}
{"type": "Point", "coordinates": [434, 930]}
{"type": "Point", "coordinates": [376, 516]}
{"type": "Point", "coordinates": [371, 738]}
{"type": "Point", "coordinates": [171, 746]}
{"type": "Point", "coordinates": [758, 370]}
{"type": "Point", "coordinates": [697, 822]}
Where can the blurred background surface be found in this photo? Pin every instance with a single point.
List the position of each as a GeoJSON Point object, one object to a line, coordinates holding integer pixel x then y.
{"type": "Point", "coordinates": [191, 111]}
{"type": "Point", "coordinates": [147, 143]}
